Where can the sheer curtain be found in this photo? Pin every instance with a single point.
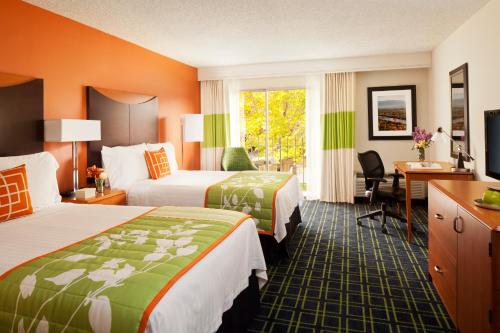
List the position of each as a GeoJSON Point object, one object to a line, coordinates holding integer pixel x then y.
{"type": "Point", "coordinates": [314, 105]}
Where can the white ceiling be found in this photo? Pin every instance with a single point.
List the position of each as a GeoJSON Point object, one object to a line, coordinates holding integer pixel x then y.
{"type": "Point", "coordinates": [229, 32]}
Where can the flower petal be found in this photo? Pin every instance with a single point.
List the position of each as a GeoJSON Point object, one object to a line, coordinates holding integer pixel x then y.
{"type": "Point", "coordinates": [27, 285]}
{"type": "Point", "coordinates": [154, 256]}
{"type": "Point", "coordinates": [259, 193]}
{"type": "Point", "coordinates": [100, 314]}
{"type": "Point", "coordinates": [185, 251]}
{"type": "Point", "coordinates": [165, 243]}
{"type": "Point", "coordinates": [78, 257]}
{"type": "Point", "coordinates": [20, 326]}
{"type": "Point", "coordinates": [199, 226]}
{"type": "Point", "coordinates": [66, 277]}
{"type": "Point", "coordinates": [43, 326]}
{"type": "Point", "coordinates": [183, 241]}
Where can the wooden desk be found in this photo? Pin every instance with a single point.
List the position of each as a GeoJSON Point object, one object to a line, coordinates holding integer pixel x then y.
{"type": "Point", "coordinates": [426, 175]}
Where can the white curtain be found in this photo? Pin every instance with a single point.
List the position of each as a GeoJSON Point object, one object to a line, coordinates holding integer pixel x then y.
{"type": "Point", "coordinates": [215, 131]}
{"type": "Point", "coordinates": [338, 133]}
{"type": "Point", "coordinates": [232, 107]}
{"type": "Point", "coordinates": [314, 105]}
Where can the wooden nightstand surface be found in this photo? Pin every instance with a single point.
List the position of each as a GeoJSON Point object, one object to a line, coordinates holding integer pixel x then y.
{"type": "Point", "coordinates": [109, 197]}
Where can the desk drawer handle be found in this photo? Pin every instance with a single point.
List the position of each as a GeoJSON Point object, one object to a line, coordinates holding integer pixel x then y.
{"type": "Point", "coordinates": [437, 269]}
{"type": "Point", "coordinates": [439, 216]}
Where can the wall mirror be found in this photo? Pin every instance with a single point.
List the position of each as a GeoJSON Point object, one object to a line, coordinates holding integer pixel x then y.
{"type": "Point", "coordinates": [459, 110]}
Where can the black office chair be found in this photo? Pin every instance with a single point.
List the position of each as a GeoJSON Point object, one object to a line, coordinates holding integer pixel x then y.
{"type": "Point", "coordinates": [373, 171]}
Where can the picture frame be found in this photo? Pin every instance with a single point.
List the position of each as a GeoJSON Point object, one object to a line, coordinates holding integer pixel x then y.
{"type": "Point", "coordinates": [392, 112]}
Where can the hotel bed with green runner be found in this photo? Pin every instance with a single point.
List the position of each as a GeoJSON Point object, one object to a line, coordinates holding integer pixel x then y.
{"type": "Point", "coordinates": [97, 268]}
{"type": "Point", "coordinates": [272, 198]}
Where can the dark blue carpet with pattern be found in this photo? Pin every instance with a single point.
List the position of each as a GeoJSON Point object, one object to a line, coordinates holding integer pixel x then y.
{"type": "Point", "coordinates": [345, 278]}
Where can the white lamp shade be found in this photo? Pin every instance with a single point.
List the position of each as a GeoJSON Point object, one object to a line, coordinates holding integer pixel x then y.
{"type": "Point", "coordinates": [72, 130]}
{"type": "Point", "coordinates": [193, 127]}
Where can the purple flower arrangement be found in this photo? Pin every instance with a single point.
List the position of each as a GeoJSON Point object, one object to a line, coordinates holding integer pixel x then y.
{"type": "Point", "coordinates": [421, 138]}
{"type": "Point", "coordinates": [422, 141]}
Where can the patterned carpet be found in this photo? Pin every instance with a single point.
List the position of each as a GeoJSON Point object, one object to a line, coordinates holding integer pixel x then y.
{"type": "Point", "coordinates": [345, 278]}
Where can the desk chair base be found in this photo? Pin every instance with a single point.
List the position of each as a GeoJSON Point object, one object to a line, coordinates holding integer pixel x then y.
{"type": "Point", "coordinates": [381, 212]}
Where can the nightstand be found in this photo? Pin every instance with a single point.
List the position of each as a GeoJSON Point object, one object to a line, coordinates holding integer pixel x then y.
{"type": "Point", "coordinates": [109, 197]}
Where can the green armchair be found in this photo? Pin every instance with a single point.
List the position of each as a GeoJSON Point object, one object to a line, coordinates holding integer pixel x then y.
{"type": "Point", "coordinates": [236, 159]}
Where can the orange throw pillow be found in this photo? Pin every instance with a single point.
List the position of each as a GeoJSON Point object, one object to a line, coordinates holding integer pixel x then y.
{"type": "Point", "coordinates": [15, 200]}
{"type": "Point", "coordinates": [157, 162]}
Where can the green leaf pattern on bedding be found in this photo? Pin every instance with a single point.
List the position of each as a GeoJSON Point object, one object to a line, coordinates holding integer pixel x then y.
{"type": "Point", "coordinates": [105, 283]}
{"type": "Point", "coordinates": [250, 192]}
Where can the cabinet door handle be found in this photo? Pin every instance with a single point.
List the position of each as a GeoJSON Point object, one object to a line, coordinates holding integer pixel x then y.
{"type": "Point", "coordinates": [455, 224]}
{"type": "Point", "coordinates": [437, 269]}
{"type": "Point", "coordinates": [439, 216]}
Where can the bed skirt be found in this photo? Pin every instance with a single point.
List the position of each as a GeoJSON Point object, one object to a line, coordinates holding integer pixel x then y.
{"type": "Point", "coordinates": [274, 251]}
{"type": "Point", "coordinates": [245, 307]}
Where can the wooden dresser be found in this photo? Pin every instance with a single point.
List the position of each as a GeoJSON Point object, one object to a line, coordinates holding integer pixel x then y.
{"type": "Point", "coordinates": [464, 254]}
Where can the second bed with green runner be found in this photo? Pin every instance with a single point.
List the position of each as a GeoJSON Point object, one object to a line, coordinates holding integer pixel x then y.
{"type": "Point", "coordinates": [250, 192]}
{"type": "Point", "coordinates": [111, 282]}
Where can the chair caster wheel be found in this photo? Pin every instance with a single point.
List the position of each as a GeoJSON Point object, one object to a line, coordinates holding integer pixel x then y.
{"type": "Point", "coordinates": [358, 222]}
{"type": "Point", "coordinates": [384, 230]}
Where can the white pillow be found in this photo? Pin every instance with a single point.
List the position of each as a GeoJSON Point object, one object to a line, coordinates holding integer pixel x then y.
{"type": "Point", "coordinates": [42, 180]}
{"type": "Point", "coordinates": [169, 149]}
{"type": "Point", "coordinates": [125, 165]}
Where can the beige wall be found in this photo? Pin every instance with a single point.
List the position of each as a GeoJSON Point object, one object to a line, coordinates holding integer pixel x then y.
{"type": "Point", "coordinates": [390, 150]}
{"type": "Point", "coordinates": [476, 42]}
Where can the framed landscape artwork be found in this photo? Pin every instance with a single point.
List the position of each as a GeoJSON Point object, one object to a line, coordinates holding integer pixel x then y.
{"type": "Point", "coordinates": [392, 112]}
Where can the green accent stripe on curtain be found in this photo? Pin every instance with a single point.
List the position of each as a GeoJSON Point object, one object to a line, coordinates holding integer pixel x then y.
{"type": "Point", "coordinates": [215, 130]}
{"type": "Point", "coordinates": [338, 130]}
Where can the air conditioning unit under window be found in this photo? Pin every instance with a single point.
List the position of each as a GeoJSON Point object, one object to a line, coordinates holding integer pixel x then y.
{"type": "Point", "coordinates": [418, 188]}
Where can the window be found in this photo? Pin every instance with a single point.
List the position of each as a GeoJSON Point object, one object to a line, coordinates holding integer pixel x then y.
{"type": "Point", "coordinates": [273, 129]}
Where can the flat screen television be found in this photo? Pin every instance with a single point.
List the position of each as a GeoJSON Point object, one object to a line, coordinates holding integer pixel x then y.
{"type": "Point", "coordinates": [492, 138]}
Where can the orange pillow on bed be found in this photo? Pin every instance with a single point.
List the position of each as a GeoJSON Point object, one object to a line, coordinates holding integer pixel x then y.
{"type": "Point", "coordinates": [157, 162]}
{"type": "Point", "coordinates": [15, 200]}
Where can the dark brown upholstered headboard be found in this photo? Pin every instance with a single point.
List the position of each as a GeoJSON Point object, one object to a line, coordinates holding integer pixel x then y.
{"type": "Point", "coordinates": [21, 115]}
{"type": "Point", "coordinates": [126, 119]}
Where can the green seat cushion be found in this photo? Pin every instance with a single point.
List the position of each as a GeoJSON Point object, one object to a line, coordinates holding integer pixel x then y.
{"type": "Point", "coordinates": [236, 159]}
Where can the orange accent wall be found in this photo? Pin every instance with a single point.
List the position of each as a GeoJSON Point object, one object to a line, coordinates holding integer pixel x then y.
{"type": "Point", "coordinates": [69, 56]}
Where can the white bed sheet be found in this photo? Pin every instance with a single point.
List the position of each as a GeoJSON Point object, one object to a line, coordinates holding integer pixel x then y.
{"type": "Point", "coordinates": [196, 301]}
{"type": "Point", "coordinates": [187, 188]}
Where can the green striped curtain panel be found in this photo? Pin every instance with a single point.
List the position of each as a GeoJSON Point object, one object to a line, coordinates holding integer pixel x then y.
{"type": "Point", "coordinates": [338, 133]}
{"type": "Point", "coordinates": [216, 124]}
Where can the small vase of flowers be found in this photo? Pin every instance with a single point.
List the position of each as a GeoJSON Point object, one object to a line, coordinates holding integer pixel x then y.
{"type": "Point", "coordinates": [99, 176]}
{"type": "Point", "coordinates": [422, 141]}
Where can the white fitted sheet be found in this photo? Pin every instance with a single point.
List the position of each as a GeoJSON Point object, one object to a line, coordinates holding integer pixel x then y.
{"type": "Point", "coordinates": [196, 301]}
{"type": "Point", "coordinates": [187, 188]}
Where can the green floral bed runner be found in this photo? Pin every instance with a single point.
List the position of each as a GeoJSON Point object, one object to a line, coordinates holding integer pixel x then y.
{"type": "Point", "coordinates": [111, 282]}
{"type": "Point", "coordinates": [250, 192]}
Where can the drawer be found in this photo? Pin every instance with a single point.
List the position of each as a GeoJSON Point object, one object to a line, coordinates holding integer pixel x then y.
{"type": "Point", "coordinates": [114, 200]}
{"type": "Point", "coordinates": [444, 275]}
{"type": "Point", "coordinates": [442, 212]}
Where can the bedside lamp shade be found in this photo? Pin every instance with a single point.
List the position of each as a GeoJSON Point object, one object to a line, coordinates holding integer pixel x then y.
{"type": "Point", "coordinates": [192, 127]}
{"type": "Point", "coordinates": [72, 130]}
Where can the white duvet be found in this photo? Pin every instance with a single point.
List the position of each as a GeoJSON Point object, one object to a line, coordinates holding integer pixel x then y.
{"type": "Point", "coordinates": [197, 300]}
{"type": "Point", "coordinates": [187, 188]}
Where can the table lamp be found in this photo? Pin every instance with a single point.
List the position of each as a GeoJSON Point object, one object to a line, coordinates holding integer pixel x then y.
{"type": "Point", "coordinates": [460, 159]}
{"type": "Point", "coordinates": [192, 130]}
{"type": "Point", "coordinates": [72, 130]}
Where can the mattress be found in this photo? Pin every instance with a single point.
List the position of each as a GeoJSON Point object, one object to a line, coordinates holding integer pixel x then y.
{"type": "Point", "coordinates": [187, 188]}
{"type": "Point", "coordinates": [205, 292]}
